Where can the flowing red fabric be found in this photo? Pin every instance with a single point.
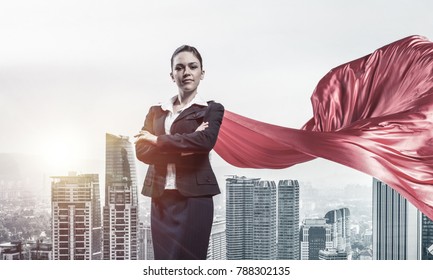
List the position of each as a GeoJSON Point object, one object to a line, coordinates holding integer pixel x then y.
{"type": "Point", "coordinates": [373, 114]}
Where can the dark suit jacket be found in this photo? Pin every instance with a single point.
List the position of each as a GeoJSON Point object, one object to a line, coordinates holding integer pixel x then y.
{"type": "Point", "coordinates": [194, 174]}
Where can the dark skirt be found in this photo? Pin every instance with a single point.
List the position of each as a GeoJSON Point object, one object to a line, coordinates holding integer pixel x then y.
{"type": "Point", "coordinates": [181, 226]}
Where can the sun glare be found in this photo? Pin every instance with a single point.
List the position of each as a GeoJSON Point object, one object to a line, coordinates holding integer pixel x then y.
{"type": "Point", "coordinates": [63, 153]}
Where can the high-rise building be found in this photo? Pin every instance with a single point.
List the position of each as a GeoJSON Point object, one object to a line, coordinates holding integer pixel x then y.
{"type": "Point", "coordinates": [339, 220]}
{"type": "Point", "coordinates": [76, 217]}
{"type": "Point", "coordinates": [145, 243]}
{"type": "Point", "coordinates": [427, 238]}
{"type": "Point", "coordinates": [288, 220]}
{"type": "Point", "coordinates": [255, 229]}
{"type": "Point", "coordinates": [314, 235]}
{"type": "Point", "coordinates": [251, 219]}
{"type": "Point", "coordinates": [240, 217]}
{"type": "Point", "coordinates": [265, 221]}
{"type": "Point", "coordinates": [400, 230]}
{"type": "Point", "coordinates": [217, 241]}
{"type": "Point", "coordinates": [121, 201]}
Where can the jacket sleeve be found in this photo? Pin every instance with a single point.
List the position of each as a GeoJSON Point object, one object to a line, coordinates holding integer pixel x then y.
{"type": "Point", "coordinates": [198, 141]}
{"type": "Point", "coordinates": [145, 151]}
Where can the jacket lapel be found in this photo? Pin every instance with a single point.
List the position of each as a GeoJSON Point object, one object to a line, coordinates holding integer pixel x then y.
{"type": "Point", "coordinates": [190, 112]}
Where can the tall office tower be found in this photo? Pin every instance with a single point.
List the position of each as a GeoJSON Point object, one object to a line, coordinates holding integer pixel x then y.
{"type": "Point", "coordinates": [239, 217]}
{"type": "Point", "coordinates": [121, 201]}
{"type": "Point", "coordinates": [315, 235]}
{"type": "Point", "coordinates": [265, 221]}
{"type": "Point", "coordinates": [76, 217]}
{"type": "Point", "coordinates": [251, 219]}
{"type": "Point", "coordinates": [145, 243]}
{"type": "Point", "coordinates": [427, 238]}
{"type": "Point", "coordinates": [288, 220]}
{"type": "Point", "coordinates": [217, 241]}
{"type": "Point", "coordinates": [339, 220]}
{"type": "Point", "coordinates": [400, 230]}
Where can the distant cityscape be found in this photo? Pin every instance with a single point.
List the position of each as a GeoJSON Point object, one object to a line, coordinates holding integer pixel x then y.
{"type": "Point", "coordinates": [254, 218]}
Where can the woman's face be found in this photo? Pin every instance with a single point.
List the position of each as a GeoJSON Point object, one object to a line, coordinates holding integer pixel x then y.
{"type": "Point", "coordinates": [186, 72]}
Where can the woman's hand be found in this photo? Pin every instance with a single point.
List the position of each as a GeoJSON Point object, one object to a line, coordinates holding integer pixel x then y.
{"type": "Point", "coordinates": [203, 126]}
{"type": "Point", "coordinates": [145, 135]}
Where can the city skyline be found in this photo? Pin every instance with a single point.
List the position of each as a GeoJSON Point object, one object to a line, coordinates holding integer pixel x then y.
{"type": "Point", "coordinates": [119, 156]}
{"type": "Point", "coordinates": [28, 166]}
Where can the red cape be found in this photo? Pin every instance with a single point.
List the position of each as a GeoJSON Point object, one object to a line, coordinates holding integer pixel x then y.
{"type": "Point", "coordinates": [374, 114]}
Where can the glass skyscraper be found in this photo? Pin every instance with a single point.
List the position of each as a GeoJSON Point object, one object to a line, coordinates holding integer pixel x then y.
{"type": "Point", "coordinates": [240, 217]}
{"type": "Point", "coordinates": [265, 221]}
{"type": "Point", "coordinates": [288, 220]}
{"type": "Point", "coordinates": [427, 238]}
{"type": "Point", "coordinates": [255, 228]}
{"type": "Point", "coordinates": [400, 230]}
{"type": "Point", "coordinates": [121, 201]}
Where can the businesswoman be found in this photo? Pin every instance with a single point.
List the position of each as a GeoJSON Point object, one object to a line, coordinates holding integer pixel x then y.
{"type": "Point", "coordinates": [175, 142]}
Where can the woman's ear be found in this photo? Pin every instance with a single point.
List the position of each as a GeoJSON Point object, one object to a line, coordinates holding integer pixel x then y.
{"type": "Point", "coordinates": [202, 75]}
{"type": "Point", "coordinates": [172, 77]}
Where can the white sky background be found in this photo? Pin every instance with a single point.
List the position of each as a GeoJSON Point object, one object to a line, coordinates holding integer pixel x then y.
{"type": "Point", "coordinates": [70, 71]}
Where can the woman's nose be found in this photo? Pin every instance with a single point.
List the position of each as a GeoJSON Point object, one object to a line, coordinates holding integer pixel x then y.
{"type": "Point", "coordinates": [187, 71]}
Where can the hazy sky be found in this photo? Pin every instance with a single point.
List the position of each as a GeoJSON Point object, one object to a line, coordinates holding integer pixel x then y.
{"type": "Point", "coordinates": [70, 71]}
